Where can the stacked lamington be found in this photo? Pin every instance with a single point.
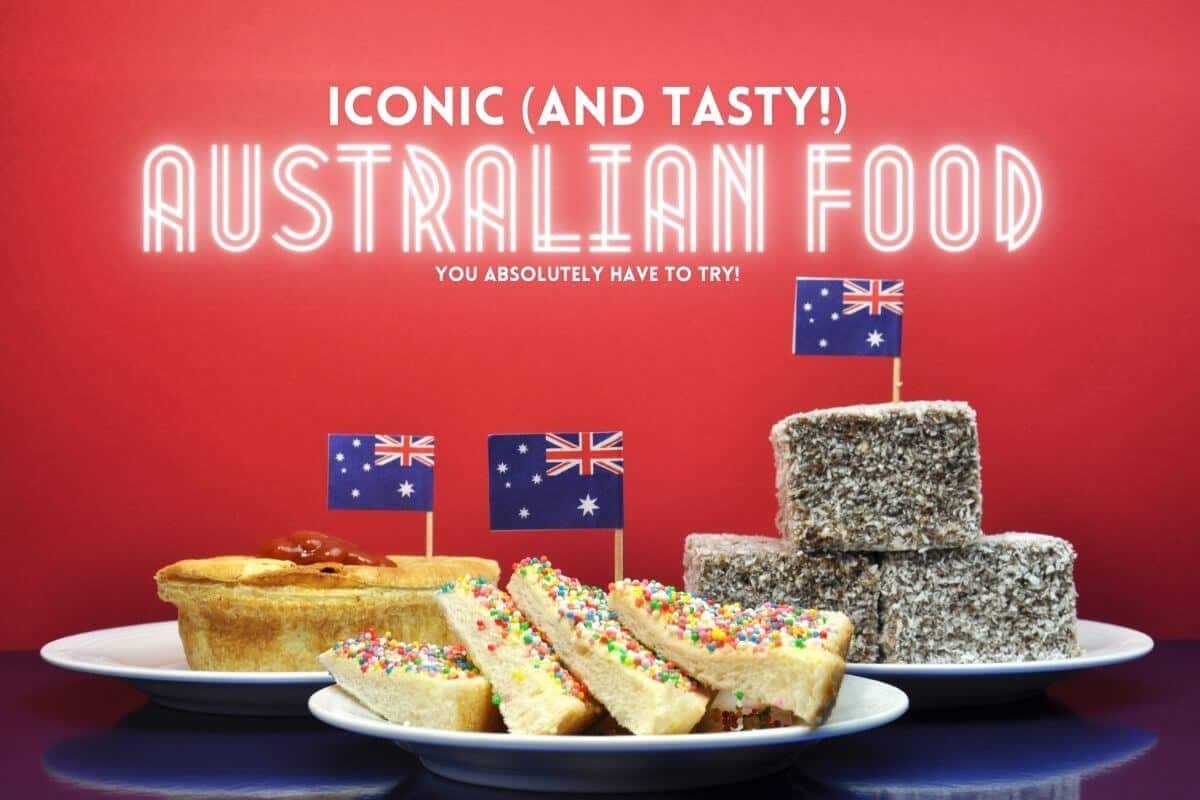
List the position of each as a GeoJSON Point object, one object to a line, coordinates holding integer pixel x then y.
{"type": "Point", "coordinates": [879, 510]}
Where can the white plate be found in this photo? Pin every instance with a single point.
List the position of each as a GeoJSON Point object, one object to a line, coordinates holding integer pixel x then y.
{"type": "Point", "coordinates": [614, 763]}
{"type": "Point", "coordinates": [944, 685]}
{"type": "Point", "coordinates": [151, 658]}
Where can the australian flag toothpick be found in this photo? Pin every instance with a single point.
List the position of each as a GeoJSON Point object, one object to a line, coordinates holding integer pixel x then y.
{"type": "Point", "coordinates": [848, 317]}
{"type": "Point", "coordinates": [556, 481]}
{"type": "Point", "coordinates": [380, 472]}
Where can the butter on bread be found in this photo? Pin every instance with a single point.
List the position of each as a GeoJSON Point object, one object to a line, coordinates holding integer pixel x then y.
{"type": "Point", "coordinates": [643, 693]}
{"type": "Point", "coordinates": [773, 655]}
{"type": "Point", "coordinates": [434, 686]}
{"type": "Point", "coordinates": [242, 613]}
{"type": "Point", "coordinates": [536, 692]}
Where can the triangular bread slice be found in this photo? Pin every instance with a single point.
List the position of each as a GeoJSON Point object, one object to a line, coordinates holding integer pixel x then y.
{"type": "Point", "coordinates": [427, 685]}
{"type": "Point", "coordinates": [643, 693]}
{"type": "Point", "coordinates": [536, 692]}
{"type": "Point", "coordinates": [773, 655]}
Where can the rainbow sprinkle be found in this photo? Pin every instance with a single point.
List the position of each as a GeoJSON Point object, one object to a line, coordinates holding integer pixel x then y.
{"type": "Point", "coordinates": [587, 609]}
{"type": "Point", "coordinates": [504, 616]}
{"type": "Point", "coordinates": [385, 654]}
{"type": "Point", "coordinates": [715, 626]}
{"type": "Point", "coordinates": [754, 719]}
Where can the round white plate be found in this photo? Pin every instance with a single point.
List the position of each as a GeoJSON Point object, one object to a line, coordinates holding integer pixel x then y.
{"type": "Point", "coordinates": [614, 763]}
{"type": "Point", "coordinates": [151, 658]}
{"type": "Point", "coordinates": [944, 685]}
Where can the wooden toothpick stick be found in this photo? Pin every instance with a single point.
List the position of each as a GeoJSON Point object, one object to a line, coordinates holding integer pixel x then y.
{"type": "Point", "coordinates": [618, 554]}
{"type": "Point", "coordinates": [896, 382]}
{"type": "Point", "coordinates": [429, 534]}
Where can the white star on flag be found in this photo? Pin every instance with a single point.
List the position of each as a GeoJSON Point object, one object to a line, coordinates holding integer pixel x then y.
{"type": "Point", "coordinates": [588, 505]}
{"type": "Point", "coordinates": [377, 472]}
{"type": "Point", "coordinates": [874, 338]}
{"type": "Point", "coordinates": [572, 482]}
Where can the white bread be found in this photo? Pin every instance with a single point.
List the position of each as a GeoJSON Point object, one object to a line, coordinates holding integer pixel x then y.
{"type": "Point", "coordinates": [773, 655]}
{"type": "Point", "coordinates": [644, 694]}
{"type": "Point", "coordinates": [537, 693]}
{"type": "Point", "coordinates": [433, 686]}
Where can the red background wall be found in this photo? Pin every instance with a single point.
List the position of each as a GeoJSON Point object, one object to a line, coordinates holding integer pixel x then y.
{"type": "Point", "coordinates": [158, 407]}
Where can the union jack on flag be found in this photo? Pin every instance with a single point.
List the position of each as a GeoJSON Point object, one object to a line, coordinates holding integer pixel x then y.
{"type": "Point", "coordinates": [380, 472]}
{"type": "Point", "coordinates": [588, 452]}
{"type": "Point", "coordinates": [848, 317]}
{"type": "Point", "coordinates": [556, 481]}
{"type": "Point", "coordinates": [408, 450]}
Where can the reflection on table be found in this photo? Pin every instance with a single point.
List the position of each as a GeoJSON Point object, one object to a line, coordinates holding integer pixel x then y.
{"type": "Point", "coordinates": [1033, 749]}
{"type": "Point", "coordinates": [1028, 750]}
{"type": "Point", "coordinates": [164, 753]}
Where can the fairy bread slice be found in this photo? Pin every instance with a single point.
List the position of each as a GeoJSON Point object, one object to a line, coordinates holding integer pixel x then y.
{"type": "Point", "coordinates": [769, 655]}
{"type": "Point", "coordinates": [535, 692]}
{"type": "Point", "coordinates": [643, 693]}
{"type": "Point", "coordinates": [428, 685]}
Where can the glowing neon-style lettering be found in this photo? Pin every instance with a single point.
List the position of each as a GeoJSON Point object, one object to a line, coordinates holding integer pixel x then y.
{"type": "Point", "coordinates": [610, 238]}
{"type": "Point", "coordinates": [740, 175]}
{"type": "Point", "coordinates": [899, 162]}
{"type": "Point", "coordinates": [425, 185]}
{"type": "Point", "coordinates": [302, 155]}
{"type": "Point", "coordinates": [1016, 178]}
{"type": "Point", "coordinates": [675, 210]}
{"type": "Point", "coordinates": [495, 210]}
{"type": "Point", "coordinates": [545, 240]}
{"type": "Point", "coordinates": [364, 157]}
{"type": "Point", "coordinates": [173, 211]}
{"type": "Point", "coordinates": [251, 204]}
{"type": "Point", "coordinates": [820, 198]}
{"type": "Point", "coordinates": [493, 205]}
{"type": "Point", "coordinates": [954, 157]}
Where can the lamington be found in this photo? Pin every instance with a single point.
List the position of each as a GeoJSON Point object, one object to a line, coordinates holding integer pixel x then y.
{"type": "Point", "coordinates": [737, 568]}
{"type": "Point", "coordinates": [885, 477]}
{"type": "Point", "coordinates": [1007, 597]}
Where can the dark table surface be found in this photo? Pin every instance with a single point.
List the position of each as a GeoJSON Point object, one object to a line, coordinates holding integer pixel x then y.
{"type": "Point", "coordinates": [1128, 731]}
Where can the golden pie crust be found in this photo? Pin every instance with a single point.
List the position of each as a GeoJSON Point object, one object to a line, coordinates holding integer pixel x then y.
{"type": "Point", "coordinates": [241, 613]}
